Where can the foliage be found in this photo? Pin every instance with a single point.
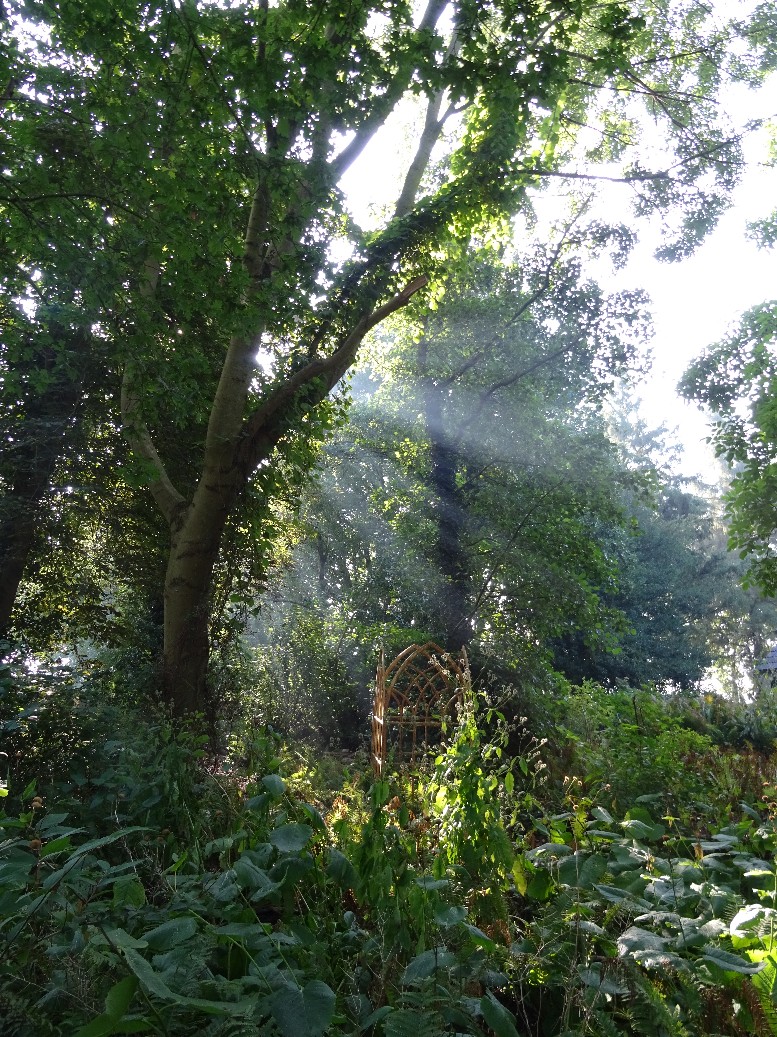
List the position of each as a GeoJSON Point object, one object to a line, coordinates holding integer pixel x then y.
{"type": "Point", "coordinates": [173, 203]}
{"type": "Point", "coordinates": [698, 755]}
{"type": "Point", "coordinates": [453, 903]}
{"type": "Point", "coordinates": [736, 380]}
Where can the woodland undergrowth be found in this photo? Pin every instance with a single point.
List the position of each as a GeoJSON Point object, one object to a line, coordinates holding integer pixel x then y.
{"type": "Point", "coordinates": [619, 877]}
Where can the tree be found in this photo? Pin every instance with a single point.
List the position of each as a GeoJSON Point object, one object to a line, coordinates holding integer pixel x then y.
{"type": "Point", "coordinates": [672, 586]}
{"type": "Point", "coordinates": [737, 380]}
{"type": "Point", "coordinates": [465, 499]}
{"type": "Point", "coordinates": [203, 205]}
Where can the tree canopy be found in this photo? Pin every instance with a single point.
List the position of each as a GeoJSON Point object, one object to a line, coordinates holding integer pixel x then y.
{"type": "Point", "coordinates": [173, 216]}
{"type": "Point", "coordinates": [736, 380]}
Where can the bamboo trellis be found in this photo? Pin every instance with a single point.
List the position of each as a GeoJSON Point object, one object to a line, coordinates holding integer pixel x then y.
{"type": "Point", "coordinates": [414, 695]}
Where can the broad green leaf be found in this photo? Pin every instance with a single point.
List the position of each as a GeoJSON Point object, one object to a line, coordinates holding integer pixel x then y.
{"type": "Point", "coordinates": [501, 1021]}
{"type": "Point", "coordinates": [592, 977]}
{"type": "Point", "coordinates": [274, 784]}
{"type": "Point", "coordinates": [637, 829]}
{"type": "Point", "coordinates": [750, 919]}
{"type": "Point", "coordinates": [224, 888]}
{"type": "Point", "coordinates": [154, 984]}
{"type": "Point", "coordinates": [452, 915]}
{"type": "Point", "coordinates": [253, 878]}
{"type": "Point", "coordinates": [56, 845]}
{"type": "Point", "coordinates": [102, 1026]}
{"type": "Point", "coordinates": [128, 891]}
{"type": "Point", "coordinates": [635, 939]}
{"type": "Point", "coordinates": [170, 933]}
{"type": "Point", "coordinates": [118, 938]}
{"type": "Point", "coordinates": [375, 1017]}
{"type": "Point", "coordinates": [479, 937]}
{"type": "Point", "coordinates": [340, 869]}
{"type": "Point", "coordinates": [303, 1012]}
{"type": "Point", "coordinates": [119, 997]}
{"type": "Point", "coordinates": [427, 964]}
{"type": "Point", "coordinates": [582, 870]}
{"type": "Point", "coordinates": [427, 882]}
{"type": "Point", "coordinates": [53, 821]}
{"type": "Point", "coordinates": [291, 838]}
{"type": "Point", "coordinates": [730, 962]}
{"type": "Point", "coordinates": [620, 896]}
{"type": "Point", "coordinates": [540, 885]}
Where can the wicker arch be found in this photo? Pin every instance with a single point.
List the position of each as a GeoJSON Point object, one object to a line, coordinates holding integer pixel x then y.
{"type": "Point", "coordinates": [414, 695]}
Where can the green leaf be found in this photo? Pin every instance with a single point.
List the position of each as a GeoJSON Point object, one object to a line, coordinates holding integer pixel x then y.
{"type": "Point", "coordinates": [750, 919]}
{"type": "Point", "coordinates": [56, 846]}
{"type": "Point", "coordinates": [639, 830]}
{"type": "Point", "coordinates": [730, 962]}
{"type": "Point", "coordinates": [592, 977]}
{"type": "Point", "coordinates": [274, 784]}
{"type": "Point", "coordinates": [375, 1017]}
{"type": "Point", "coordinates": [128, 891]}
{"type": "Point", "coordinates": [119, 997]}
{"type": "Point", "coordinates": [635, 939]}
{"type": "Point", "coordinates": [117, 1002]}
{"type": "Point", "coordinates": [341, 870]}
{"type": "Point", "coordinates": [449, 916]}
{"type": "Point", "coordinates": [102, 1026]}
{"type": "Point", "coordinates": [53, 821]}
{"type": "Point", "coordinates": [303, 1012]}
{"type": "Point", "coordinates": [169, 934]}
{"type": "Point", "coordinates": [80, 852]}
{"type": "Point", "coordinates": [427, 964]}
{"type": "Point", "coordinates": [620, 896]}
{"type": "Point", "coordinates": [501, 1021]}
{"type": "Point", "coordinates": [291, 838]}
{"type": "Point", "coordinates": [540, 886]}
{"type": "Point", "coordinates": [582, 870]}
{"type": "Point", "coordinates": [154, 984]}
{"type": "Point", "coordinates": [479, 937]}
{"type": "Point", "coordinates": [429, 883]}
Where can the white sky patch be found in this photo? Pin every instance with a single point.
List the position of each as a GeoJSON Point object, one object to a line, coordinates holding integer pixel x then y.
{"type": "Point", "coordinates": [696, 301]}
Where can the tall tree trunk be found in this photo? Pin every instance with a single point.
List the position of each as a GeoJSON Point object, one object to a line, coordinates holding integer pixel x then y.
{"type": "Point", "coordinates": [38, 445]}
{"type": "Point", "coordinates": [197, 531]}
{"type": "Point", "coordinates": [449, 516]}
{"type": "Point", "coordinates": [186, 634]}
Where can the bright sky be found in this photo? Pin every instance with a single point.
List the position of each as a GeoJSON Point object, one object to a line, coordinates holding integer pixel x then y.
{"type": "Point", "coordinates": [695, 301]}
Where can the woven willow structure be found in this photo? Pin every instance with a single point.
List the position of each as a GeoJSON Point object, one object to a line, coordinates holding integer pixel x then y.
{"type": "Point", "coordinates": [414, 695]}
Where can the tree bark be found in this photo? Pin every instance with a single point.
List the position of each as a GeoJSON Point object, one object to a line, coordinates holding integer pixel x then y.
{"type": "Point", "coordinates": [233, 450]}
{"type": "Point", "coordinates": [449, 515]}
{"type": "Point", "coordinates": [39, 444]}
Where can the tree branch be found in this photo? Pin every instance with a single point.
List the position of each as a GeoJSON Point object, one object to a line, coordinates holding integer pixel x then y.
{"type": "Point", "coordinates": [509, 380]}
{"type": "Point", "coordinates": [524, 306]}
{"type": "Point", "coordinates": [168, 499]}
{"type": "Point", "coordinates": [384, 105]}
{"type": "Point", "coordinates": [270, 422]}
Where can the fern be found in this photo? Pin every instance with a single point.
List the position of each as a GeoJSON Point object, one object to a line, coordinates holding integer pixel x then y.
{"type": "Point", "coordinates": [602, 1024]}
{"type": "Point", "coordinates": [418, 1021]}
{"type": "Point", "coordinates": [647, 1011]}
{"type": "Point", "coordinates": [758, 999]}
